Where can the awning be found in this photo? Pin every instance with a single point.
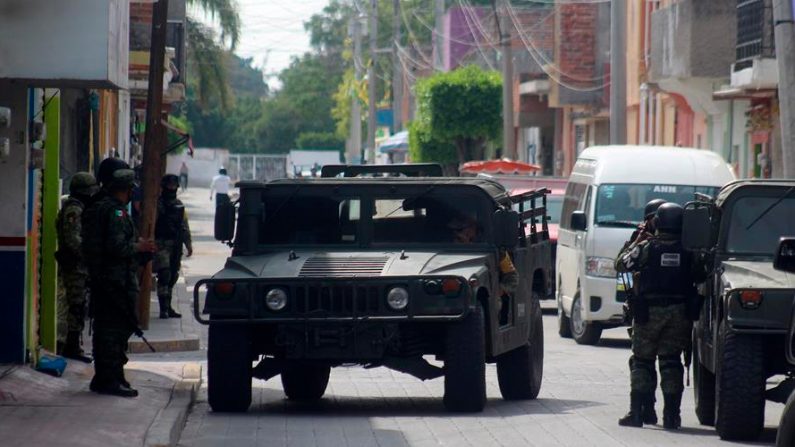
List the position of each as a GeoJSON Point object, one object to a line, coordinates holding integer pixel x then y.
{"type": "Point", "coordinates": [398, 142]}
{"type": "Point", "coordinates": [504, 166]}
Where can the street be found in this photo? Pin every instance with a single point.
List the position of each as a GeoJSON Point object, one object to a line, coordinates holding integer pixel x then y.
{"type": "Point", "coordinates": [585, 390]}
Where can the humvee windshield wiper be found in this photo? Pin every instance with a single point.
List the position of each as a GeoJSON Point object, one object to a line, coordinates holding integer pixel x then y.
{"type": "Point", "coordinates": [770, 208]}
{"type": "Point", "coordinates": [618, 223]}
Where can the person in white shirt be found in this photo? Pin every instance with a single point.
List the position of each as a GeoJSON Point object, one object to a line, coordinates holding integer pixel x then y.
{"type": "Point", "coordinates": [220, 186]}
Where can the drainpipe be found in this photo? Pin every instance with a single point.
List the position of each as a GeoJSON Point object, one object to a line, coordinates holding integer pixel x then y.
{"type": "Point", "coordinates": [643, 112]}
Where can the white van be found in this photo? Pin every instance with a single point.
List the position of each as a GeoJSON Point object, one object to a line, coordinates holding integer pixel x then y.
{"type": "Point", "coordinates": [604, 201]}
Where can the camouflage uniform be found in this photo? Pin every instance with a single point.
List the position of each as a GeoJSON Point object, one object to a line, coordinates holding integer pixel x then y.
{"type": "Point", "coordinates": [109, 245]}
{"type": "Point", "coordinates": [172, 231]}
{"type": "Point", "coordinates": [72, 271]}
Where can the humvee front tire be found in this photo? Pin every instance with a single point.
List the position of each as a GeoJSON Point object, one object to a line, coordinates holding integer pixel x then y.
{"type": "Point", "coordinates": [228, 368]}
{"type": "Point", "coordinates": [583, 332]}
{"type": "Point", "coordinates": [519, 372]}
{"type": "Point", "coordinates": [704, 390]}
{"type": "Point", "coordinates": [740, 387]}
{"type": "Point", "coordinates": [305, 383]}
{"type": "Point", "coordinates": [465, 364]}
{"type": "Point", "coordinates": [786, 428]}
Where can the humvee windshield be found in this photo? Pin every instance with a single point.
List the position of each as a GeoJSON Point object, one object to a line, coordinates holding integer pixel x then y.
{"type": "Point", "coordinates": [315, 216]}
{"type": "Point", "coordinates": [761, 238]}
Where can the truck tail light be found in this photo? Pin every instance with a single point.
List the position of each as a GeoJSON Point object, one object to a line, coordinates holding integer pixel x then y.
{"type": "Point", "coordinates": [750, 299]}
{"type": "Point", "coordinates": [224, 289]}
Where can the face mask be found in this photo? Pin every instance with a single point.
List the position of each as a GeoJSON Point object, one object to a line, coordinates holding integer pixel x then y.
{"type": "Point", "coordinates": [169, 194]}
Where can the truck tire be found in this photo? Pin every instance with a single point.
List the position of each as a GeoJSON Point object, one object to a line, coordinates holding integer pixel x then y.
{"type": "Point", "coordinates": [465, 364]}
{"type": "Point", "coordinates": [564, 324]}
{"type": "Point", "coordinates": [519, 372]}
{"type": "Point", "coordinates": [228, 368]}
{"type": "Point", "coordinates": [305, 383]}
{"type": "Point", "coordinates": [704, 390]}
{"type": "Point", "coordinates": [740, 387]}
{"type": "Point", "coordinates": [583, 332]}
{"type": "Point", "coordinates": [786, 428]}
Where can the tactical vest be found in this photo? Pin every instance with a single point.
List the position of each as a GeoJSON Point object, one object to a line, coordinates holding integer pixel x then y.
{"type": "Point", "coordinates": [667, 270]}
{"type": "Point", "coordinates": [169, 220]}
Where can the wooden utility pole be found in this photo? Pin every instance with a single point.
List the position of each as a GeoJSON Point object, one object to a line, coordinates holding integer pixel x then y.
{"type": "Point", "coordinates": [154, 142]}
{"type": "Point", "coordinates": [397, 72]}
{"type": "Point", "coordinates": [371, 81]}
{"type": "Point", "coordinates": [356, 107]}
{"type": "Point", "coordinates": [618, 72]}
{"type": "Point", "coordinates": [508, 138]}
{"type": "Point", "coordinates": [785, 57]}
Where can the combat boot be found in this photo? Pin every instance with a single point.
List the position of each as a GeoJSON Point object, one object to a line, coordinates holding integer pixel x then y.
{"type": "Point", "coordinates": [635, 417]}
{"type": "Point", "coordinates": [649, 415]}
{"type": "Point", "coordinates": [671, 418]}
{"type": "Point", "coordinates": [113, 389]}
{"type": "Point", "coordinates": [163, 307]}
{"type": "Point", "coordinates": [170, 310]}
{"type": "Point", "coordinates": [72, 349]}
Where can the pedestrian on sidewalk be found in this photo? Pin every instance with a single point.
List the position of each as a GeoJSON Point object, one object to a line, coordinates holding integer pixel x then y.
{"type": "Point", "coordinates": [172, 231]}
{"type": "Point", "coordinates": [220, 185]}
{"type": "Point", "coordinates": [113, 251]}
{"type": "Point", "coordinates": [72, 270]}
{"type": "Point", "coordinates": [183, 176]}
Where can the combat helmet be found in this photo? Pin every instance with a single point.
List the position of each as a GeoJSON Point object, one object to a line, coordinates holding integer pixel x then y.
{"type": "Point", "coordinates": [169, 181]}
{"type": "Point", "coordinates": [651, 207]}
{"type": "Point", "coordinates": [669, 218]}
{"type": "Point", "coordinates": [108, 167]}
{"type": "Point", "coordinates": [83, 183]}
{"type": "Point", "coordinates": [122, 179]}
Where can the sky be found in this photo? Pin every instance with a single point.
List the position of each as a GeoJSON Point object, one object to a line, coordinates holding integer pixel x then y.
{"type": "Point", "coordinates": [273, 32]}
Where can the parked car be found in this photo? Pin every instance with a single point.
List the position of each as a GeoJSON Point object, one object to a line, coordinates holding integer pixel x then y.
{"type": "Point", "coordinates": [603, 204]}
{"type": "Point", "coordinates": [371, 271]}
{"type": "Point", "coordinates": [740, 337]}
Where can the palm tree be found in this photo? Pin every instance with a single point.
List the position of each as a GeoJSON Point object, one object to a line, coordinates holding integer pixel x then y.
{"type": "Point", "coordinates": [208, 54]}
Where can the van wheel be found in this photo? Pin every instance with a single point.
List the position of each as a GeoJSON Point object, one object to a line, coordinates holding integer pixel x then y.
{"type": "Point", "coordinates": [583, 332]}
{"type": "Point", "coordinates": [740, 387]}
{"type": "Point", "coordinates": [703, 389]}
{"type": "Point", "coordinates": [305, 383]}
{"type": "Point", "coordinates": [465, 364]}
{"type": "Point", "coordinates": [228, 368]}
{"type": "Point", "coordinates": [564, 323]}
{"type": "Point", "coordinates": [519, 372]}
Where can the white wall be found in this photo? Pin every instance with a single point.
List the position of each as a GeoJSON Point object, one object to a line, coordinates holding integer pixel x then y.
{"type": "Point", "coordinates": [201, 168]}
{"type": "Point", "coordinates": [92, 42]}
{"type": "Point", "coordinates": [14, 169]}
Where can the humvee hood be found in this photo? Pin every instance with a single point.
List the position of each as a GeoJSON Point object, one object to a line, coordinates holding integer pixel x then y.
{"type": "Point", "coordinates": [756, 274]}
{"type": "Point", "coordinates": [313, 264]}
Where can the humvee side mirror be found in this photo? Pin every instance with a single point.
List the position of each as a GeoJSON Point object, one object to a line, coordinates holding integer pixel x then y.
{"type": "Point", "coordinates": [785, 255]}
{"type": "Point", "coordinates": [506, 228]}
{"type": "Point", "coordinates": [225, 222]}
{"type": "Point", "coordinates": [578, 222]}
{"type": "Point", "coordinates": [696, 229]}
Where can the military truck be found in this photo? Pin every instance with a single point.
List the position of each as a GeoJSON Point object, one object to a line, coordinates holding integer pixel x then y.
{"type": "Point", "coordinates": [739, 338]}
{"type": "Point", "coordinates": [785, 262]}
{"type": "Point", "coordinates": [365, 266]}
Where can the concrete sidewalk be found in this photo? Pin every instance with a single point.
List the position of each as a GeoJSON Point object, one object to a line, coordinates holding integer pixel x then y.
{"type": "Point", "coordinates": [171, 334]}
{"type": "Point", "coordinates": [40, 410]}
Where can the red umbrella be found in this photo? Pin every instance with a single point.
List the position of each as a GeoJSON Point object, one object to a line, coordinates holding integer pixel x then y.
{"type": "Point", "coordinates": [503, 166]}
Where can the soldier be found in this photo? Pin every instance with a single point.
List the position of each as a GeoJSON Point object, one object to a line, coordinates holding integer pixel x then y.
{"type": "Point", "coordinates": [644, 231]}
{"type": "Point", "coordinates": [465, 231]}
{"type": "Point", "coordinates": [72, 271]}
{"type": "Point", "coordinates": [171, 233]}
{"type": "Point", "coordinates": [664, 282]}
{"type": "Point", "coordinates": [113, 251]}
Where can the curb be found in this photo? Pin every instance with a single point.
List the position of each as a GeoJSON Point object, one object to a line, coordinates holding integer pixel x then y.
{"type": "Point", "coordinates": [167, 427]}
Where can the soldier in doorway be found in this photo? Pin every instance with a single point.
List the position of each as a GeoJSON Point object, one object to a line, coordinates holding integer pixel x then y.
{"type": "Point", "coordinates": [171, 233]}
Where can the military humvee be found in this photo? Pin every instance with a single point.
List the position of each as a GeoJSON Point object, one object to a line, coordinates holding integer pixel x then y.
{"type": "Point", "coordinates": [739, 339]}
{"type": "Point", "coordinates": [785, 262]}
{"type": "Point", "coordinates": [361, 267]}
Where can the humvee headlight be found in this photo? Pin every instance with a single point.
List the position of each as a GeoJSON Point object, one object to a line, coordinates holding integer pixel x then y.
{"type": "Point", "coordinates": [276, 299]}
{"type": "Point", "coordinates": [398, 298]}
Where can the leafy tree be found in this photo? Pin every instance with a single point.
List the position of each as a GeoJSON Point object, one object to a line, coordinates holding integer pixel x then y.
{"type": "Point", "coordinates": [463, 108]}
{"type": "Point", "coordinates": [319, 140]}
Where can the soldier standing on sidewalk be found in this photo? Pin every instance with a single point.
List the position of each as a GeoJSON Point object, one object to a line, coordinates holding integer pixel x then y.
{"type": "Point", "coordinates": [665, 281]}
{"type": "Point", "coordinates": [72, 271]}
{"type": "Point", "coordinates": [113, 252]}
{"type": "Point", "coordinates": [171, 233]}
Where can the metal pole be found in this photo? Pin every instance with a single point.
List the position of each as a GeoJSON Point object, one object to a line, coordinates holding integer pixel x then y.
{"type": "Point", "coordinates": [509, 143]}
{"type": "Point", "coordinates": [356, 108]}
{"type": "Point", "coordinates": [618, 71]}
{"type": "Point", "coordinates": [397, 77]}
{"type": "Point", "coordinates": [371, 81]}
{"type": "Point", "coordinates": [785, 57]}
{"type": "Point", "coordinates": [154, 142]}
{"type": "Point", "coordinates": [438, 35]}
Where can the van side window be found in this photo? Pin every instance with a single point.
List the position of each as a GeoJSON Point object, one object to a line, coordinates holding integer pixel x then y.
{"type": "Point", "coordinates": [572, 201]}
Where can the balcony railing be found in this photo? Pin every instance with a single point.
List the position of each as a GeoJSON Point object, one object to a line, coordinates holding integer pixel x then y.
{"type": "Point", "coordinates": [754, 31]}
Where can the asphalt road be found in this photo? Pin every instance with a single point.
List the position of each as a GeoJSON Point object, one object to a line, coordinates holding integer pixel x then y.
{"type": "Point", "coordinates": [585, 391]}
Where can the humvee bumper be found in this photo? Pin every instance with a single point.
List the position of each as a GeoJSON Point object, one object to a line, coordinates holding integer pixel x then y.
{"type": "Point", "coordinates": [430, 298]}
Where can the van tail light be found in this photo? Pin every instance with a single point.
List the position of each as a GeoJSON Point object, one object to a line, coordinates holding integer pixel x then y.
{"type": "Point", "coordinates": [224, 289]}
{"type": "Point", "coordinates": [750, 299]}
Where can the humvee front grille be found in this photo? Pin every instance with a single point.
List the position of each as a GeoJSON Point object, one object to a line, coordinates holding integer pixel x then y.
{"type": "Point", "coordinates": [332, 267]}
{"type": "Point", "coordinates": [337, 300]}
